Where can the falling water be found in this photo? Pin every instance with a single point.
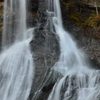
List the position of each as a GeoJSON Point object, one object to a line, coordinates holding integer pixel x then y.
{"type": "Point", "coordinates": [16, 62]}
{"type": "Point", "coordinates": [71, 57]}
{"type": "Point", "coordinates": [14, 24]}
{"type": "Point", "coordinates": [79, 81]}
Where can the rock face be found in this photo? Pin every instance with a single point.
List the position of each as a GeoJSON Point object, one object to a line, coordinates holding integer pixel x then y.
{"type": "Point", "coordinates": [45, 50]}
{"type": "Point", "coordinates": [91, 41]}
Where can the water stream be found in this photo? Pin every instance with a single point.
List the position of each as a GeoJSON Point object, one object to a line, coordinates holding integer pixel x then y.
{"type": "Point", "coordinates": [16, 62]}
{"type": "Point", "coordinates": [14, 23]}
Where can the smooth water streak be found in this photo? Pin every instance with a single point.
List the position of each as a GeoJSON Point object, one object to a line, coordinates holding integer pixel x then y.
{"type": "Point", "coordinates": [16, 71]}
{"type": "Point", "coordinates": [14, 23]}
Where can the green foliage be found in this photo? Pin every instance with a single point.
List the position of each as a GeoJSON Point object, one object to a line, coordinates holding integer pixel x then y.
{"type": "Point", "coordinates": [93, 21]}
{"type": "Point", "coordinates": [0, 30]}
{"type": "Point", "coordinates": [77, 14]}
{"type": "Point", "coordinates": [78, 18]}
{"type": "Point", "coordinates": [68, 4]}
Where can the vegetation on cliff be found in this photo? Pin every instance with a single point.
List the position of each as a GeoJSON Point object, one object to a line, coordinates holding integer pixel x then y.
{"type": "Point", "coordinates": [93, 21]}
{"type": "Point", "coordinates": [83, 13]}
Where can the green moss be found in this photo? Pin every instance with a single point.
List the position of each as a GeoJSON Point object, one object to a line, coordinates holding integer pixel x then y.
{"type": "Point", "coordinates": [78, 18]}
{"type": "Point", "coordinates": [93, 21]}
{"type": "Point", "coordinates": [75, 13]}
{"type": "Point", "coordinates": [1, 30]}
{"type": "Point", "coordinates": [68, 4]}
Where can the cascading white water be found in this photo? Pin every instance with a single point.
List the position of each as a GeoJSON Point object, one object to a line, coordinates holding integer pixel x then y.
{"type": "Point", "coordinates": [16, 62]}
{"type": "Point", "coordinates": [79, 82]}
{"type": "Point", "coordinates": [14, 24]}
{"type": "Point", "coordinates": [71, 57]}
{"type": "Point", "coordinates": [16, 68]}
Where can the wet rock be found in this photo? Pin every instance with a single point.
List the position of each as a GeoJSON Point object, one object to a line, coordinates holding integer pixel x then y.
{"type": "Point", "coordinates": [47, 88]}
{"type": "Point", "coordinates": [91, 45]}
{"type": "Point", "coordinates": [45, 48]}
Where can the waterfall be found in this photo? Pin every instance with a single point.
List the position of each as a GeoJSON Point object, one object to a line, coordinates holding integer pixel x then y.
{"type": "Point", "coordinates": [70, 57]}
{"type": "Point", "coordinates": [16, 62]}
{"type": "Point", "coordinates": [14, 24]}
{"type": "Point", "coordinates": [79, 81]}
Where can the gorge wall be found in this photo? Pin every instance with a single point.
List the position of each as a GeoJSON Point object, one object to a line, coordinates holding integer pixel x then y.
{"type": "Point", "coordinates": [45, 46]}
